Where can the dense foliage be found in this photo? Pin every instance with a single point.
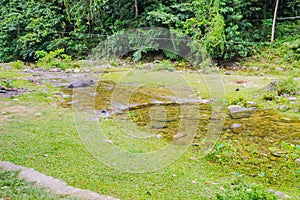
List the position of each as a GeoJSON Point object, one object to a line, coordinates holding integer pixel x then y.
{"type": "Point", "coordinates": [227, 28]}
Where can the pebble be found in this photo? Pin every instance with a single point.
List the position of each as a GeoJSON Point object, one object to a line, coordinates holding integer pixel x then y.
{"type": "Point", "coordinates": [279, 69]}
{"type": "Point", "coordinates": [76, 70]}
{"type": "Point", "coordinates": [108, 141]}
{"type": "Point", "coordinates": [298, 161]}
{"type": "Point", "coordinates": [292, 98]}
{"type": "Point", "coordinates": [65, 96]}
{"type": "Point", "coordinates": [73, 102]}
{"type": "Point", "coordinates": [195, 144]}
{"type": "Point", "coordinates": [55, 70]}
{"type": "Point", "coordinates": [38, 114]}
{"type": "Point", "coordinates": [87, 70]}
{"type": "Point", "coordinates": [68, 70]}
{"type": "Point", "coordinates": [159, 126]}
{"type": "Point", "coordinates": [283, 108]}
{"type": "Point", "coordinates": [179, 135]}
{"type": "Point", "coordinates": [255, 68]}
{"type": "Point", "coordinates": [236, 128]}
{"type": "Point", "coordinates": [159, 136]}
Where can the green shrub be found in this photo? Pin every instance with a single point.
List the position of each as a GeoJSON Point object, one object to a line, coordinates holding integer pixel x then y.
{"type": "Point", "coordinates": [53, 59]}
{"type": "Point", "coordinates": [241, 101]}
{"type": "Point", "coordinates": [286, 86]}
{"type": "Point", "coordinates": [165, 65]}
{"type": "Point", "coordinates": [270, 95]}
{"type": "Point", "coordinates": [17, 64]}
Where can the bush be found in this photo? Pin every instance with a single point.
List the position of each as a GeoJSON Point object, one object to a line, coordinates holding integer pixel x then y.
{"type": "Point", "coordinates": [17, 65]}
{"type": "Point", "coordinates": [287, 86]}
{"type": "Point", "coordinates": [270, 95]}
{"type": "Point", "coordinates": [53, 59]}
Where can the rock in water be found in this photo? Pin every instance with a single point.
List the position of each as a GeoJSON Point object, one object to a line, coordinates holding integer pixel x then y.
{"type": "Point", "coordinates": [238, 112]}
{"type": "Point", "coordinates": [236, 128]}
{"type": "Point", "coordinates": [82, 83]}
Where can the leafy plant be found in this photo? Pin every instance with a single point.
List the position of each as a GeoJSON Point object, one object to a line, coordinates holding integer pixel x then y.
{"type": "Point", "coordinates": [221, 152]}
{"type": "Point", "coordinates": [287, 86]}
{"type": "Point", "coordinates": [53, 59]}
{"type": "Point", "coordinates": [269, 95]}
{"type": "Point", "coordinates": [239, 190]}
{"type": "Point", "coordinates": [236, 101]}
{"type": "Point", "coordinates": [165, 65]}
{"type": "Point", "coordinates": [17, 64]}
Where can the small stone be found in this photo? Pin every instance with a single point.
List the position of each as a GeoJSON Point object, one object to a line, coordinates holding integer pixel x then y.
{"type": "Point", "coordinates": [276, 152]}
{"type": "Point", "coordinates": [283, 108]}
{"type": "Point", "coordinates": [244, 68]}
{"type": "Point", "coordinates": [286, 95]}
{"type": "Point", "coordinates": [65, 96]}
{"type": "Point", "coordinates": [228, 73]}
{"type": "Point", "coordinates": [292, 98]}
{"type": "Point", "coordinates": [159, 136]}
{"type": "Point", "coordinates": [73, 102]}
{"type": "Point", "coordinates": [159, 126]}
{"type": "Point", "coordinates": [236, 128]}
{"type": "Point", "coordinates": [261, 74]}
{"type": "Point", "coordinates": [76, 70]}
{"type": "Point", "coordinates": [68, 70]}
{"type": "Point", "coordinates": [55, 70]}
{"type": "Point", "coordinates": [298, 161]}
{"type": "Point", "coordinates": [279, 69]}
{"type": "Point", "coordinates": [94, 94]}
{"type": "Point", "coordinates": [108, 141]}
{"type": "Point", "coordinates": [194, 181]}
{"type": "Point", "coordinates": [179, 135]}
{"type": "Point", "coordinates": [278, 193]}
{"type": "Point", "coordinates": [254, 68]}
{"type": "Point", "coordinates": [251, 103]}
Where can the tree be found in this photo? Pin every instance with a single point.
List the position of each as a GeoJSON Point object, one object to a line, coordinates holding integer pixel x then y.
{"type": "Point", "coordinates": [274, 20]}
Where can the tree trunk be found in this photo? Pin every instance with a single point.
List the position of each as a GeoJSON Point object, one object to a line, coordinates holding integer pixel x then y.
{"type": "Point", "coordinates": [136, 8]}
{"type": "Point", "coordinates": [274, 20]}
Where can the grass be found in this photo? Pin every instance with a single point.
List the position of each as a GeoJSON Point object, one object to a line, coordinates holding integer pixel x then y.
{"type": "Point", "coordinates": [49, 143]}
{"type": "Point", "coordinates": [14, 188]}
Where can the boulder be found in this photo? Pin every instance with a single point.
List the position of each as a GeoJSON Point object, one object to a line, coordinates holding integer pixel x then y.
{"type": "Point", "coordinates": [81, 83]}
{"type": "Point", "coordinates": [237, 112]}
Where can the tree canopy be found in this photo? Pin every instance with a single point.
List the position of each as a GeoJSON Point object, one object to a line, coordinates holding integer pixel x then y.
{"type": "Point", "coordinates": [227, 28]}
